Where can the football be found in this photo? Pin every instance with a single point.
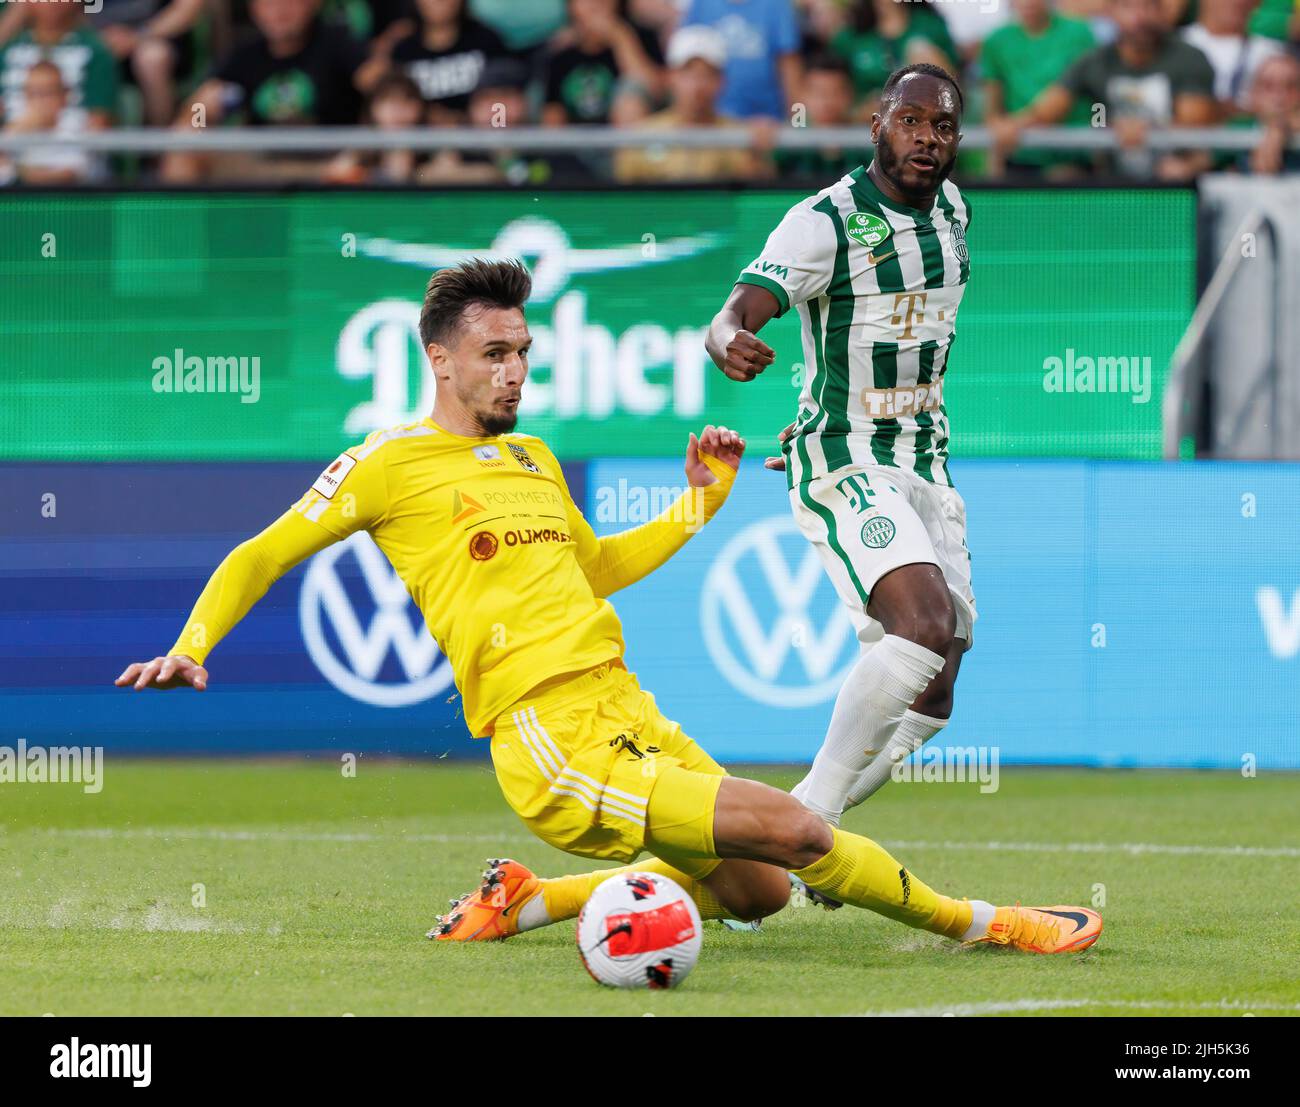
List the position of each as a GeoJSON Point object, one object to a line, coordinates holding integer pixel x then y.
{"type": "Point", "coordinates": [639, 930]}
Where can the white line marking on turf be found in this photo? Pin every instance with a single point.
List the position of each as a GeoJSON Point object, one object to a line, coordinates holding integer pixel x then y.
{"type": "Point", "coordinates": [1012, 1006]}
{"type": "Point", "coordinates": [223, 834]}
{"type": "Point", "coordinates": [1134, 848]}
{"type": "Point", "coordinates": [220, 834]}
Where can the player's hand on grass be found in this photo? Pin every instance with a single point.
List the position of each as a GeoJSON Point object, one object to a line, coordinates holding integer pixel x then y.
{"type": "Point", "coordinates": [177, 671]}
{"type": "Point", "coordinates": [747, 356]}
{"type": "Point", "coordinates": [778, 462]}
{"type": "Point", "coordinates": [726, 445]}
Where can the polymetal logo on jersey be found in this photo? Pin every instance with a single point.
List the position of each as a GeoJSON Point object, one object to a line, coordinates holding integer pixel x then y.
{"type": "Point", "coordinates": [353, 656]}
{"type": "Point", "coordinates": [759, 606]}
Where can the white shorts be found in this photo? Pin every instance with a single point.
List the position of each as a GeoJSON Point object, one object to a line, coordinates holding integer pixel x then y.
{"type": "Point", "coordinates": [866, 522]}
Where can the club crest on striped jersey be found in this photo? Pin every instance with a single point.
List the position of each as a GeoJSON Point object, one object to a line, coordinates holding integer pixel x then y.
{"type": "Point", "coordinates": [958, 233]}
{"type": "Point", "coordinates": [877, 533]}
{"type": "Point", "coordinates": [521, 456]}
{"type": "Point", "coordinates": [867, 229]}
{"type": "Point", "coordinates": [329, 480]}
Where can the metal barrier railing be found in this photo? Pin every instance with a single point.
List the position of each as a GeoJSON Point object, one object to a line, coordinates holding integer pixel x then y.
{"type": "Point", "coordinates": [144, 140]}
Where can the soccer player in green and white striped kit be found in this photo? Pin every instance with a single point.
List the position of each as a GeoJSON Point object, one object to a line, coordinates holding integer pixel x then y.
{"type": "Point", "coordinates": [875, 265]}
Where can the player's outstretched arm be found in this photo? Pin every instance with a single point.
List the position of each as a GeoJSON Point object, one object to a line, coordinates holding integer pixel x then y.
{"type": "Point", "coordinates": [619, 560]}
{"type": "Point", "coordinates": [732, 342]}
{"type": "Point", "coordinates": [239, 582]}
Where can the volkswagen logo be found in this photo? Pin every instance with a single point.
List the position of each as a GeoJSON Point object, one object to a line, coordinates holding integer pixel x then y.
{"type": "Point", "coordinates": [352, 657]}
{"type": "Point", "coordinates": [765, 598]}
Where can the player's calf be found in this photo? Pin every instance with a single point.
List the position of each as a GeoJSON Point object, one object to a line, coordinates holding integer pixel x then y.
{"type": "Point", "coordinates": [761, 823]}
{"type": "Point", "coordinates": [749, 890]}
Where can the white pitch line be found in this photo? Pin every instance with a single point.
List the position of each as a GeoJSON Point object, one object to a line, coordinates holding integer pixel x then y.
{"type": "Point", "coordinates": [1133, 848]}
{"type": "Point", "coordinates": [1013, 1006]}
{"type": "Point", "coordinates": [221, 834]}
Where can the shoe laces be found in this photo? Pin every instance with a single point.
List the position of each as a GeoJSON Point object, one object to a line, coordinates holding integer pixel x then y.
{"type": "Point", "coordinates": [1041, 928]}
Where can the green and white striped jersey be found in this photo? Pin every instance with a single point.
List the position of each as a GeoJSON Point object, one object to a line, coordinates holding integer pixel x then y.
{"type": "Point", "coordinates": [877, 286]}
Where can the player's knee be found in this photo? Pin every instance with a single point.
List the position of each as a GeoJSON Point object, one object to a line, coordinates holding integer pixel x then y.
{"type": "Point", "coordinates": [933, 626]}
{"type": "Point", "coordinates": [803, 837]}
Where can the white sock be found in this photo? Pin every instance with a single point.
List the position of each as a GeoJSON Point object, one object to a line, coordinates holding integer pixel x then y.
{"type": "Point", "coordinates": [981, 919]}
{"type": "Point", "coordinates": [908, 737]}
{"type": "Point", "coordinates": [534, 914]}
{"type": "Point", "coordinates": [878, 690]}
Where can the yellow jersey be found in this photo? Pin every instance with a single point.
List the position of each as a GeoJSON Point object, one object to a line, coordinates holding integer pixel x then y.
{"type": "Point", "coordinates": [509, 576]}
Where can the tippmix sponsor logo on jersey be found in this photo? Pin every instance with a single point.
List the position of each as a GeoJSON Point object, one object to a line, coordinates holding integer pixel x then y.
{"type": "Point", "coordinates": [771, 620]}
{"type": "Point", "coordinates": [363, 631]}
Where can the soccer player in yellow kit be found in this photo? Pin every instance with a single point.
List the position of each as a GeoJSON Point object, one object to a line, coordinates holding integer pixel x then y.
{"type": "Point", "coordinates": [479, 524]}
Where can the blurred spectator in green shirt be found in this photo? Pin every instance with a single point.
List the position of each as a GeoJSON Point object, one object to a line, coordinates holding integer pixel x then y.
{"type": "Point", "coordinates": [875, 37]}
{"type": "Point", "coordinates": [1021, 59]}
{"type": "Point", "coordinates": [1279, 19]}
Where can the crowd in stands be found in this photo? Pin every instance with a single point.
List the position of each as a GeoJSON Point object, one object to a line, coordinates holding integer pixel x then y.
{"type": "Point", "coordinates": [662, 65]}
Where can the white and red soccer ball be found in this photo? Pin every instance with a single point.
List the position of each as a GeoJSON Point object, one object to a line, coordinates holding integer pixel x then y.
{"type": "Point", "coordinates": [639, 930]}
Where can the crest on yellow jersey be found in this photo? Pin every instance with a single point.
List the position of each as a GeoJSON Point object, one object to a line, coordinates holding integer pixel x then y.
{"type": "Point", "coordinates": [521, 456]}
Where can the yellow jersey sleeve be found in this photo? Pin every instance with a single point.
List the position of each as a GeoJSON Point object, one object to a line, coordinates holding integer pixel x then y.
{"type": "Point", "coordinates": [618, 560]}
{"type": "Point", "coordinates": [243, 578]}
{"type": "Point", "coordinates": [350, 494]}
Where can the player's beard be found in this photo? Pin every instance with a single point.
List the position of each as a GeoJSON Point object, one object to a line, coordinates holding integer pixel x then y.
{"type": "Point", "coordinates": [497, 422]}
{"type": "Point", "coordinates": [891, 165]}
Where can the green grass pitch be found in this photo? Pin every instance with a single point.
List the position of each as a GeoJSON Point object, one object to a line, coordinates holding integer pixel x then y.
{"type": "Point", "coordinates": [318, 888]}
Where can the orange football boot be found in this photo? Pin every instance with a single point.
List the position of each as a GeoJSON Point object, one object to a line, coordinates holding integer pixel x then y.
{"type": "Point", "coordinates": [1044, 929]}
{"type": "Point", "coordinates": [492, 913]}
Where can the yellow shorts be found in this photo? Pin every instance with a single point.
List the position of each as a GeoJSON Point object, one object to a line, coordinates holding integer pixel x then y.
{"type": "Point", "coordinates": [593, 768]}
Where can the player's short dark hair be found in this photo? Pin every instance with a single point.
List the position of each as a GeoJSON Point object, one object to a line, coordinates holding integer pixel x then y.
{"type": "Point", "coordinates": [501, 284]}
{"type": "Point", "coordinates": [889, 92]}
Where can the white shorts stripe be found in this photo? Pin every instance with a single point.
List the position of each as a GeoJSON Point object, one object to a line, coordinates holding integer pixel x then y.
{"type": "Point", "coordinates": [535, 743]}
{"type": "Point", "coordinates": [579, 797]}
{"type": "Point", "coordinates": [538, 729]}
{"type": "Point", "coordinates": [565, 778]}
{"type": "Point", "coordinates": [640, 800]}
{"type": "Point", "coordinates": [631, 817]}
{"type": "Point", "coordinates": [602, 795]}
{"type": "Point", "coordinates": [613, 805]}
{"type": "Point", "coordinates": [528, 745]}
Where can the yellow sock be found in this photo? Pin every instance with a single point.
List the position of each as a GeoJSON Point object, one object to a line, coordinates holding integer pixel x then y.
{"type": "Point", "coordinates": [565, 895]}
{"type": "Point", "coordinates": [859, 872]}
